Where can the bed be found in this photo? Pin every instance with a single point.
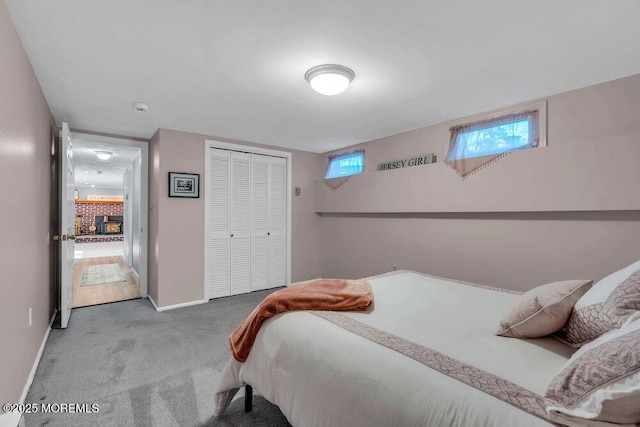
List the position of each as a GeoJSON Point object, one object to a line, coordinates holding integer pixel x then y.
{"type": "Point", "coordinates": [425, 354]}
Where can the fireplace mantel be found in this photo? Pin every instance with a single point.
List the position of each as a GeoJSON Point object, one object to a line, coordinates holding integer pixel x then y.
{"type": "Point", "coordinates": [98, 202]}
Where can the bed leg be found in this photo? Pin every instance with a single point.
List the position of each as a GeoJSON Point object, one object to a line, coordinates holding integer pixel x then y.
{"type": "Point", "coordinates": [248, 398]}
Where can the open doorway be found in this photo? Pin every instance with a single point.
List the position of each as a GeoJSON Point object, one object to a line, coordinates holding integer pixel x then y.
{"type": "Point", "coordinates": [110, 201]}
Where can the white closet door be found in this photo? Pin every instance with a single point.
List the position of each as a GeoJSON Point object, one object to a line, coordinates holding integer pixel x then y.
{"type": "Point", "coordinates": [219, 226]}
{"type": "Point", "coordinates": [240, 235]}
{"type": "Point", "coordinates": [259, 222]}
{"type": "Point", "coordinates": [277, 221]}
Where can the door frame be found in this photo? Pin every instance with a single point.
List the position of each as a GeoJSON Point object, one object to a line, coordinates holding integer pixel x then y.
{"type": "Point", "coordinates": [208, 144]}
{"type": "Point", "coordinates": [144, 193]}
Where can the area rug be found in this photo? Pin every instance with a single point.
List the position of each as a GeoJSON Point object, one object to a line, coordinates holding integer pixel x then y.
{"type": "Point", "coordinates": [99, 274]}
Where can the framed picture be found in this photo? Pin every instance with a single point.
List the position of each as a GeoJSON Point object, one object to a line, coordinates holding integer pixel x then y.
{"type": "Point", "coordinates": [182, 184]}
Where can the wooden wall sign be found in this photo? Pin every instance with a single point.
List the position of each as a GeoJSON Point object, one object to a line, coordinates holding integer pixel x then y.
{"type": "Point", "coordinates": [411, 161]}
{"type": "Point", "coordinates": [105, 198]}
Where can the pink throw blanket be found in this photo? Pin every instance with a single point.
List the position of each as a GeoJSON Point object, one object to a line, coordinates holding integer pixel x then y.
{"type": "Point", "coordinates": [320, 294]}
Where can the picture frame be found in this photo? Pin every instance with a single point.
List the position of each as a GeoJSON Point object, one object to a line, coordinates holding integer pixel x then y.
{"type": "Point", "coordinates": [184, 184]}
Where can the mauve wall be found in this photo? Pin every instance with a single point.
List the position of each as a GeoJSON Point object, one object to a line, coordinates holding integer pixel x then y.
{"type": "Point", "coordinates": [570, 210]}
{"type": "Point", "coordinates": [176, 229]}
{"type": "Point", "coordinates": [26, 132]}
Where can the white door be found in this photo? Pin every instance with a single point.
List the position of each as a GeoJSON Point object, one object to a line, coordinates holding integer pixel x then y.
{"type": "Point", "coordinates": [219, 225]}
{"type": "Point", "coordinates": [240, 236]}
{"type": "Point", "coordinates": [127, 216]}
{"type": "Point", "coordinates": [277, 222]}
{"type": "Point", "coordinates": [67, 224]}
{"type": "Point", "coordinates": [259, 222]}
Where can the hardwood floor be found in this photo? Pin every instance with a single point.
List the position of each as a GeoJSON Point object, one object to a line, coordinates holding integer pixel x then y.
{"type": "Point", "coordinates": [108, 292]}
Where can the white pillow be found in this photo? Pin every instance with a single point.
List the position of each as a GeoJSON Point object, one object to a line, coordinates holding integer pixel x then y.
{"type": "Point", "coordinates": [603, 288]}
{"type": "Point", "coordinates": [600, 384]}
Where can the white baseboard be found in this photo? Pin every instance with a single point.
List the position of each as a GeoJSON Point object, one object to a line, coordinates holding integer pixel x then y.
{"type": "Point", "coordinates": [302, 282]}
{"type": "Point", "coordinates": [34, 368]}
{"type": "Point", "coordinates": [172, 307]}
{"type": "Point", "coordinates": [12, 419]}
{"type": "Point", "coordinates": [153, 302]}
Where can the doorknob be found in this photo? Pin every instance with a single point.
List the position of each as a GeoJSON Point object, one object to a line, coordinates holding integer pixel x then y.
{"type": "Point", "coordinates": [64, 237]}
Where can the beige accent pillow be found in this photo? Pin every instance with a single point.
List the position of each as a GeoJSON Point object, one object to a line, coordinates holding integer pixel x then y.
{"type": "Point", "coordinates": [600, 384]}
{"type": "Point", "coordinates": [542, 310]}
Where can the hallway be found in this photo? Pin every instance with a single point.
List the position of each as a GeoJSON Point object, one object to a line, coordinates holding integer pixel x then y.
{"type": "Point", "coordinates": [88, 254]}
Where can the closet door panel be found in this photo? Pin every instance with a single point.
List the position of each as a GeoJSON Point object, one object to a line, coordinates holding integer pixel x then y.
{"type": "Point", "coordinates": [218, 268]}
{"type": "Point", "coordinates": [240, 235]}
{"type": "Point", "coordinates": [219, 226]}
{"type": "Point", "coordinates": [277, 265]}
{"type": "Point", "coordinates": [240, 193]}
{"type": "Point", "coordinates": [259, 222]}
{"type": "Point", "coordinates": [259, 263]}
{"type": "Point", "coordinates": [240, 266]}
{"type": "Point", "coordinates": [277, 221]}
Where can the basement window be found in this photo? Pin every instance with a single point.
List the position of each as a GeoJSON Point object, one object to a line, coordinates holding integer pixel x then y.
{"type": "Point", "coordinates": [476, 144]}
{"type": "Point", "coordinates": [344, 165]}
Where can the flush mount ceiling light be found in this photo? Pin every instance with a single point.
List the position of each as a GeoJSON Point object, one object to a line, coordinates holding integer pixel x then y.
{"type": "Point", "coordinates": [104, 155]}
{"type": "Point", "coordinates": [329, 79]}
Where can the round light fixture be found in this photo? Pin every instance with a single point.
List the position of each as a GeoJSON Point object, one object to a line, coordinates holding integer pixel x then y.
{"type": "Point", "coordinates": [104, 155]}
{"type": "Point", "coordinates": [329, 79]}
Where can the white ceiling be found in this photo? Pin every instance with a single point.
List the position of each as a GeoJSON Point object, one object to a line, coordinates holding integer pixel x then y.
{"type": "Point", "coordinates": [235, 68]}
{"type": "Point", "coordinates": [91, 172]}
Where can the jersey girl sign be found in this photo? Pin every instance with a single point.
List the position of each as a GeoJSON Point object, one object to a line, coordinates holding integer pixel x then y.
{"type": "Point", "coordinates": [411, 161]}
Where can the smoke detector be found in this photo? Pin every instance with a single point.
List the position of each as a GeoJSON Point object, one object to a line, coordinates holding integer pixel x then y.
{"type": "Point", "coordinates": [141, 106]}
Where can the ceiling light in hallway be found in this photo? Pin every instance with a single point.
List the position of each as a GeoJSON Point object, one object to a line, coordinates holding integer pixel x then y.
{"type": "Point", "coordinates": [104, 155]}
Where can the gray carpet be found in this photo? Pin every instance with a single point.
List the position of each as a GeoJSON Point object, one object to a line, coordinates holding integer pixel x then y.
{"type": "Point", "coordinates": [145, 368]}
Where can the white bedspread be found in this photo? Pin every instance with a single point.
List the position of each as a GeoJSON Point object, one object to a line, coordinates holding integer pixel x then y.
{"type": "Point", "coordinates": [322, 375]}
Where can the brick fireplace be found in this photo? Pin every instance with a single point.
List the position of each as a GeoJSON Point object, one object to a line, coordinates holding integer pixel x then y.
{"type": "Point", "coordinates": [87, 211]}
